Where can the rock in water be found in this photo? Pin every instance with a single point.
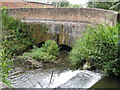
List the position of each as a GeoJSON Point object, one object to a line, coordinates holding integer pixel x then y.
{"type": "Point", "coordinates": [86, 66]}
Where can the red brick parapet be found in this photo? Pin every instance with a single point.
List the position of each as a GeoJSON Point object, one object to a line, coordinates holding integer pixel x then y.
{"type": "Point", "coordinates": [90, 15]}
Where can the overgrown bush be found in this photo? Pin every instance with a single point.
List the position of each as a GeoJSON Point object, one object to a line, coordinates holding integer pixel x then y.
{"type": "Point", "coordinates": [99, 46]}
{"type": "Point", "coordinates": [105, 5]}
{"type": "Point", "coordinates": [48, 52]}
{"type": "Point", "coordinates": [16, 35]}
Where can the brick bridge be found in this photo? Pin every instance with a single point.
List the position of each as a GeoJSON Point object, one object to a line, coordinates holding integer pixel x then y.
{"type": "Point", "coordinates": [64, 25]}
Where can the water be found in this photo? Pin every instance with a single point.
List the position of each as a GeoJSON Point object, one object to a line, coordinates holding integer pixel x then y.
{"type": "Point", "coordinates": [61, 78]}
{"type": "Point", "coordinates": [55, 76]}
{"type": "Point", "coordinates": [108, 82]}
{"type": "Point", "coordinates": [76, 79]}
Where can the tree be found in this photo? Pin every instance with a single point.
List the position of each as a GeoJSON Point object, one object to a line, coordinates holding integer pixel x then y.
{"type": "Point", "coordinates": [105, 5]}
{"type": "Point", "coordinates": [116, 7]}
{"type": "Point", "coordinates": [60, 3]}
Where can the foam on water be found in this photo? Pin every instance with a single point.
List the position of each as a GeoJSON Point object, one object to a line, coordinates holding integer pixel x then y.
{"type": "Point", "coordinates": [61, 79]}
{"type": "Point", "coordinates": [64, 77]}
{"type": "Point", "coordinates": [76, 79]}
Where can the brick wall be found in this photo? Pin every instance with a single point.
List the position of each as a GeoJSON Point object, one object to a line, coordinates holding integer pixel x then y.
{"type": "Point", "coordinates": [95, 16]}
{"type": "Point", "coordinates": [25, 5]}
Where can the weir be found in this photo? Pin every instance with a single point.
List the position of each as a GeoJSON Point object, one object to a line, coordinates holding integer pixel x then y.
{"type": "Point", "coordinates": [60, 78]}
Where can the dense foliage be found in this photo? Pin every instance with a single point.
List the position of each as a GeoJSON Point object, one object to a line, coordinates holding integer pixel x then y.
{"type": "Point", "coordinates": [66, 4]}
{"type": "Point", "coordinates": [60, 3]}
{"type": "Point", "coordinates": [105, 5]}
{"type": "Point", "coordinates": [17, 35]}
{"type": "Point", "coordinates": [48, 52]}
{"type": "Point", "coordinates": [99, 46]}
{"type": "Point", "coordinates": [16, 38]}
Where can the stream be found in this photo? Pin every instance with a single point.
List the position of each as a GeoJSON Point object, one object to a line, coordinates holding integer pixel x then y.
{"type": "Point", "coordinates": [52, 76]}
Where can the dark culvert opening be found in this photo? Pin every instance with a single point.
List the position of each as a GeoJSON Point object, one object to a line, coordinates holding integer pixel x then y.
{"type": "Point", "coordinates": [39, 45]}
{"type": "Point", "coordinates": [65, 47]}
{"type": "Point", "coordinates": [64, 55]}
{"type": "Point", "coordinates": [61, 46]}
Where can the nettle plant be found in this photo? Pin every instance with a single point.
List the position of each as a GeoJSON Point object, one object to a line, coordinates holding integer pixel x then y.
{"type": "Point", "coordinates": [99, 46]}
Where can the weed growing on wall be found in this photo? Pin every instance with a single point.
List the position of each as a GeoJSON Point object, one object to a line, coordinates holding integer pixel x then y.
{"type": "Point", "coordinates": [48, 52]}
{"type": "Point", "coordinates": [99, 46]}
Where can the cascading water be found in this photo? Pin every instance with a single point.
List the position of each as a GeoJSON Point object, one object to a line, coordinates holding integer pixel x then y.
{"type": "Point", "coordinates": [76, 79]}
{"type": "Point", "coordinates": [60, 79]}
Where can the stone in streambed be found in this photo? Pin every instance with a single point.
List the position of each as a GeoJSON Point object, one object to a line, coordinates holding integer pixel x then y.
{"type": "Point", "coordinates": [86, 66]}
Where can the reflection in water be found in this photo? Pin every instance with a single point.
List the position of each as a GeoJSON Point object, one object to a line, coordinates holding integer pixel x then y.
{"type": "Point", "coordinates": [108, 82]}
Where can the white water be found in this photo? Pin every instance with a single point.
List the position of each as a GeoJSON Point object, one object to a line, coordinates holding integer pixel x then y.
{"type": "Point", "coordinates": [76, 79]}
{"type": "Point", "coordinates": [60, 79]}
{"type": "Point", "coordinates": [64, 77]}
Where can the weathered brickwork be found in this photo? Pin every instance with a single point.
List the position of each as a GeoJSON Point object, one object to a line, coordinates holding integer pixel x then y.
{"type": "Point", "coordinates": [96, 16]}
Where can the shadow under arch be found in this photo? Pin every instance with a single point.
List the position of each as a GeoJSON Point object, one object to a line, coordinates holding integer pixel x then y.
{"type": "Point", "coordinates": [39, 45]}
{"type": "Point", "coordinates": [61, 46]}
{"type": "Point", "coordinates": [65, 47]}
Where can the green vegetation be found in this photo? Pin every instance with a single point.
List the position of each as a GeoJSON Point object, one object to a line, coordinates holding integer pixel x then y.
{"type": "Point", "coordinates": [61, 3]}
{"type": "Point", "coordinates": [99, 46]}
{"type": "Point", "coordinates": [74, 6]}
{"type": "Point", "coordinates": [48, 52]}
{"type": "Point", "coordinates": [5, 64]}
{"type": "Point", "coordinates": [65, 4]}
{"type": "Point", "coordinates": [16, 35]}
{"type": "Point", "coordinates": [16, 39]}
{"type": "Point", "coordinates": [105, 5]}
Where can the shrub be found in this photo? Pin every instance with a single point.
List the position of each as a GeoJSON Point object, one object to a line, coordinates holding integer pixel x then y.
{"type": "Point", "coordinates": [48, 52]}
{"type": "Point", "coordinates": [98, 45]}
{"type": "Point", "coordinates": [18, 37]}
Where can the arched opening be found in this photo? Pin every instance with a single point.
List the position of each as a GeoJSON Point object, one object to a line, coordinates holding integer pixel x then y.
{"type": "Point", "coordinates": [64, 55]}
{"type": "Point", "coordinates": [64, 50]}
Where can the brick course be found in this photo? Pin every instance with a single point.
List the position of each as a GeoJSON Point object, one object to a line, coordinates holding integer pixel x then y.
{"type": "Point", "coordinates": [95, 16]}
